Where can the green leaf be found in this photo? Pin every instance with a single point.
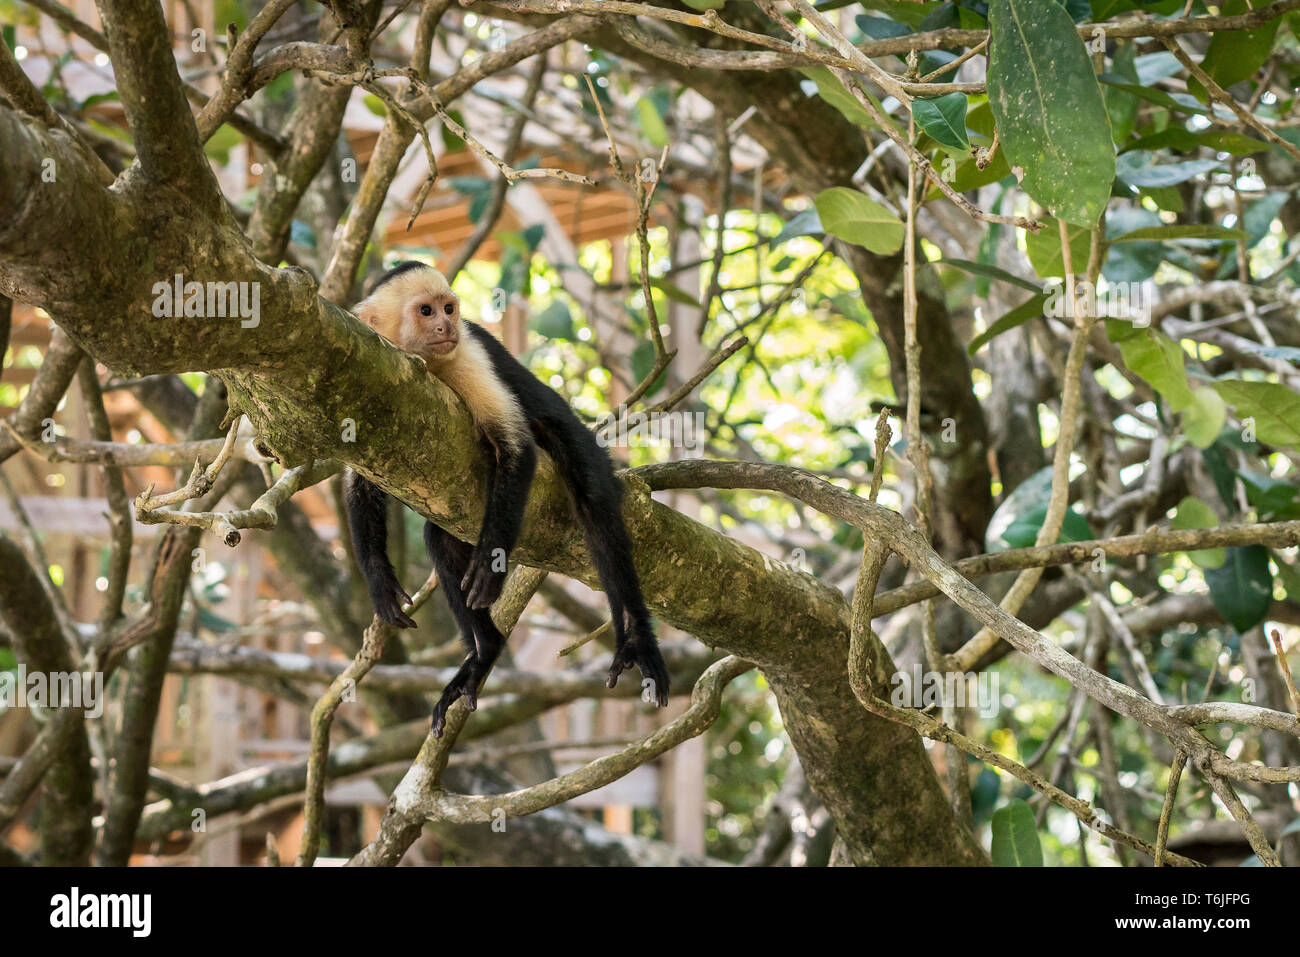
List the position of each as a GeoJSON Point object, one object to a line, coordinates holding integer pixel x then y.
{"type": "Point", "coordinates": [553, 322]}
{"type": "Point", "coordinates": [1275, 409]}
{"type": "Point", "coordinates": [1242, 589]}
{"type": "Point", "coordinates": [375, 105]}
{"type": "Point", "coordinates": [1136, 170]}
{"type": "Point", "coordinates": [1259, 216]}
{"type": "Point", "coordinates": [1159, 360]}
{"type": "Point", "coordinates": [856, 218]}
{"type": "Point", "coordinates": [1193, 513]}
{"type": "Point", "coordinates": [1122, 106]}
{"type": "Point", "coordinates": [832, 91]}
{"type": "Point", "coordinates": [1179, 102]}
{"type": "Point", "coordinates": [642, 361]}
{"type": "Point", "coordinates": [1182, 139]}
{"type": "Point", "coordinates": [1015, 837]}
{"type": "Point", "coordinates": [452, 143]}
{"type": "Point", "coordinates": [1204, 417]}
{"type": "Point", "coordinates": [652, 124]}
{"type": "Point", "coordinates": [806, 223]}
{"type": "Point", "coordinates": [1049, 108]}
{"type": "Point", "coordinates": [1288, 575]}
{"type": "Point", "coordinates": [880, 28]}
{"type": "Point", "coordinates": [1179, 232]}
{"type": "Point", "coordinates": [1234, 55]}
{"type": "Point", "coordinates": [1023, 532]}
{"type": "Point", "coordinates": [944, 119]}
{"type": "Point", "coordinates": [703, 5]}
{"type": "Point", "coordinates": [992, 272]}
{"type": "Point", "coordinates": [675, 293]}
{"type": "Point", "coordinates": [1031, 307]}
{"type": "Point", "coordinates": [220, 143]}
{"type": "Point", "coordinates": [1044, 249]}
{"type": "Point", "coordinates": [1268, 495]}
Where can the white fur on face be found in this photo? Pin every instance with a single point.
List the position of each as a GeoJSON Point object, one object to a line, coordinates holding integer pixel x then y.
{"type": "Point", "coordinates": [391, 310]}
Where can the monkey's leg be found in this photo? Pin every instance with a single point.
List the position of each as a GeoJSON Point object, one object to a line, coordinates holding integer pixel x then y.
{"type": "Point", "coordinates": [511, 475]}
{"type": "Point", "coordinates": [450, 558]}
{"type": "Point", "coordinates": [634, 637]}
{"type": "Point", "coordinates": [598, 500]}
{"type": "Point", "coordinates": [367, 508]}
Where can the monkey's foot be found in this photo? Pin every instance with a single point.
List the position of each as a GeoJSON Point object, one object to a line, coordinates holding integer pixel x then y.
{"type": "Point", "coordinates": [388, 600]}
{"type": "Point", "coordinates": [482, 584]}
{"type": "Point", "coordinates": [654, 673]}
{"type": "Point", "coordinates": [464, 685]}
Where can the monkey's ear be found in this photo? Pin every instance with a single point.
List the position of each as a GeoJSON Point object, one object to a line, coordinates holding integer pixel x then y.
{"type": "Point", "coordinates": [367, 311]}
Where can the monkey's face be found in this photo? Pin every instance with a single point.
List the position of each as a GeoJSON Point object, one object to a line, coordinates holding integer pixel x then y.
{"type": "Point", "coordinates": [431, 324]}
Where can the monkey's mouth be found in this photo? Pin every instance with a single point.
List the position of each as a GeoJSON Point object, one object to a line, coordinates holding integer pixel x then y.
{"type": "Point", "coordinates": [442, 347]}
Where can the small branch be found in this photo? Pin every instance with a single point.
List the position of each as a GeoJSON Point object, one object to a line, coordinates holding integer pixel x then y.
{"type": "Point", "coordinates": [1249, 826]}
{"type": "Point", "coordinates": [1220, 95]}
{"type": "Point", "coordinates": [1285, 667]}
{"type": "Point", "coordinates": [1166, 812]}
{"type": "Point", "coordinates": [262, 514]}
{"type": "Point", "coordinates": [322, 716]}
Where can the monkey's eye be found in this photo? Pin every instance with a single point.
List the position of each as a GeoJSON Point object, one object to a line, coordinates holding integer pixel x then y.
{"type": "Point", "coordinates": [449, 309]}
{"type": "Point", "coordinates": [426, 310]}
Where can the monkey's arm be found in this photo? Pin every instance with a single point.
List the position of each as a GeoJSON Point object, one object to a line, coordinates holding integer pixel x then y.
{"type": "Point", "coordinates": [367, 508]}
{"type": "Point", "coordinates": [510, 474]}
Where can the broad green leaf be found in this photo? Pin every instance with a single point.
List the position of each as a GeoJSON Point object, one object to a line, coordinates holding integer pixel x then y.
{"type": "Point", "coordinates": [1193, 513]}
{"type": "Point", "coordinates": [452, 143]}
{"type": "Point", "coordinates": [1154, 67]}
{"type": "Point", "coordinates": [1180, 232]}
{"type": "Point", "coordinates": [1136, 170]}
{"type": "Point", "coordinates": [642, 361]}
{"type": "Point", "coordinates": [1259, 216]}
{"type": "Point", "coordinates": [1275, 409]}
{"type": "Point", "coordinates": [1031, 307]}
{"type": "Point", "coordinates": [674, 292]}
{"type": "Point", "coordinates": [992, 272]}
{"type": "Point", "coordinates": [856, 218]}
{"type": "Point", "coordinates": [1268, 495]}
{"type": "Point", "coordinates": [1183, 139]}
{"type": "Point", "coordinates": [1122, 106]}
{"type": "Point", "coordinates": [1242, 589]}
{"type": "Point", "coordinates": [1044, 249]}
{"type": "Point", "coordinates": [553, 322]}
{"type": "Point", "coordinates": [1023, 532]}
{"type": "Point", "coordinates": [880, 28]}
{"type": "Point", "coordinates": [703, 5]}
{"type": "Point", "coordinates": [944, 119]}
{"type": "Point", "coordinates": [1048, 106]}
{"type": "Point", "coordinates": [1015, 837]}
{"type": "Point", "coordinates": [806, 223]}
{"type": "Point", "coordinates": [652, 124]}
{"type": "Point", "coordinates": [832, 91]}
{"type": "Point", "coordinates": [1020, 517]}
{"type": "Point", "coordinates": [1204, 417]}
{"type": "Point", "coordinates": [1159, 360]}
{"type": "Point", "coordinates": [220, 143]}
{"type": "Point", "coordinates": [1234, 55]}
{"type": "Point", "coordinates": [1287, 574]}
{"type": "Point", "coordinates": [1178, 102]}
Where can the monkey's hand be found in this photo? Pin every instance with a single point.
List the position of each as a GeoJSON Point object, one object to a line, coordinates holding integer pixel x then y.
{"type": "Point", "coordinates": [388, 596]}
{"type": "Point", "coordinates": [465, 685]}
{"type": "Point", "coordinates": [644, 653]}
{"type": "Point", "coordinates": [482, 582]}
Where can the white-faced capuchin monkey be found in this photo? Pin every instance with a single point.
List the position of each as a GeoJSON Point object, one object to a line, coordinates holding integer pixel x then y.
{"type": "Point", "coordinates": [413, 307]}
